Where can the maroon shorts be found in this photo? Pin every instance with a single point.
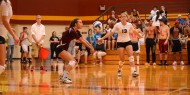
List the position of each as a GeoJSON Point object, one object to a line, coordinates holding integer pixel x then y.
{"type": "Point", "coordinates": [163, 48]}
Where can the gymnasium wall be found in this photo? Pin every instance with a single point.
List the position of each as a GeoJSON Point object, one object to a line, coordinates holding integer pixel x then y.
{"type": "Point", "coordinates": [78, 8]}
{"type": "Point", "coordinates": [91, 7]}
{"type": "Point", "coordinates": [87, 9]}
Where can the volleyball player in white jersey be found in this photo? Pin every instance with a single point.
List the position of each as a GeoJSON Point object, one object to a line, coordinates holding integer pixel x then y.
{"type": "Point", "coordinates": [123, 29]}
{"type": "Point", "coordinates": [5, 16]}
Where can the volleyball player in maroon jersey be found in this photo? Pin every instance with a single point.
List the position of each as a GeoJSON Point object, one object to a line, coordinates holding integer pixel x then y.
{"type": "Point", "coordinates": [72, 33]}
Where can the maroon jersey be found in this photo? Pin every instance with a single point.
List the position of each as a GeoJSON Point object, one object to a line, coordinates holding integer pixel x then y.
{"type": "Point", "coordinates": [66, 38]}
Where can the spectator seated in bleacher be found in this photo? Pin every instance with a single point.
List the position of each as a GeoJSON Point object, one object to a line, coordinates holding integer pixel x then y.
{"type": "Point", "coordinates": [163, 14]}
{"type": "Point", "coordinates": [112, 19]}
{"type": "Point", "coordinates": [153, 12]}
{"type": "Point", "coordinates": [99, 52]}
{"type": "Point", "coordinates": [91, 40]}
{"type": "Point", "coordinates": [180, 19]}
{"type": "Point", "coordinates": [135, 13]}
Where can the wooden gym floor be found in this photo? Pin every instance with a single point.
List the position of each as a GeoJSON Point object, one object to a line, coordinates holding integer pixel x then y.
{"type": "Point", "coordinates": [96, 80]}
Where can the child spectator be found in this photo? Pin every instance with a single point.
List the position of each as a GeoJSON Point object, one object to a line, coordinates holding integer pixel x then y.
{"type": "Point", "coordinates": [99, 52]}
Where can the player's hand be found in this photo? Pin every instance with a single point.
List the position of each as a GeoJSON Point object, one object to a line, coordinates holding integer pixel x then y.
{"type": "Point", "coordinates": [16, 39]}
{"type": "Point", "coordinates": [100, 39]}
{"type": "Point", "coordinates": [166, 42]}
{"type": "Point", "coordinates": [92, 50]}
{"type": "Point", "coordinates": [37, 43]}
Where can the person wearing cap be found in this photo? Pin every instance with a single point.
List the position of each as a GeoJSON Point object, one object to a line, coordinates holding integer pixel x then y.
{"type": "Point", "coordinates": [98, 33]}
{"type": "Point", "coordinates": [180, 19]}
{"type": "Point", "coordinates": [175, 38]}
{"type": "Point", "coordinates": [163, 37]}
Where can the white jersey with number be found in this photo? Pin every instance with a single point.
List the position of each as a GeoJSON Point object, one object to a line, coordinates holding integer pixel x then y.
{"type": "Point", "coordinates": [123, 31]}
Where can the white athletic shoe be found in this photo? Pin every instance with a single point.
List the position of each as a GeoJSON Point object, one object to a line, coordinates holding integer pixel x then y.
{"type": "Point", "coordinates": [154, 64]}
{"type": "Point", "coordinates": [182, 63]}
{"type": "Point", "coordinates": [65, 80]}
{"type": "Point", "coordinates": [135, 74]}
{"type": "Point", "coordinates": [174, 63]}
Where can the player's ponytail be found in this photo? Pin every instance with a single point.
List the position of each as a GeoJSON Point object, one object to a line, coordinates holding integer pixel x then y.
{"type": "Point", "coordinates": [73, 22]}
{"type": "Point", "coordinates": [3, 0]}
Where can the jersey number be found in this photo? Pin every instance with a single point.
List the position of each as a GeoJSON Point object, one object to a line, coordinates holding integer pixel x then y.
{"type": "Point", "coordinates": [124, 30]}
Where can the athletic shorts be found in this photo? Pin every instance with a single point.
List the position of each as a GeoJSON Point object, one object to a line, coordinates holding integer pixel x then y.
{"type": "Point", "coordinates": [25, 48]}
{"type": "Point", "coordinates": [60, 48]}
{"type": "Point", "coordinates": [123, 44]}
{"type": "Point", "coordinates": [79, 46]}
{"type": "Point", "coordinates": [135, 46]}
{"type": "Point", "coordinates": [35, 50]}
{"type": "Point", "coordinates": [163, 48]}
{"type": "Point", "coordinates": [21, 50]}
{"type": "Point", "coordinates": [176, 46]}
{"type": "Point", "coordinates": [2, 40]}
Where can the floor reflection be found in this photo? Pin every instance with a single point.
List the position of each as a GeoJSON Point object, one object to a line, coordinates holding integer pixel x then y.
{"type": "Point", "coordinates": [96, 80]}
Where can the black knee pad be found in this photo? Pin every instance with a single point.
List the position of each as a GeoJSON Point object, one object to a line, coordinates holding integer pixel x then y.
{"type": "Point", "coordinates": [2, 40]}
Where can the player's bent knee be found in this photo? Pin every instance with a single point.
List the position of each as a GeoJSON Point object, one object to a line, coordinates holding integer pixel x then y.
{"type": "Point", "coordinates": [72, 63]}
{"type": "Point", "coordinates": [131, 59]}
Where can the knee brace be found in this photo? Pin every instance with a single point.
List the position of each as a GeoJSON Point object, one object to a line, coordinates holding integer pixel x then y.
{"type": "Point", "coordinates": [131, 59]}
{"type": "Point", "coordinates": [85, 53]}
{"type": "Point", "coordinates": [72, 63]}
{"type": "Point", "coordinates": [2, 40]}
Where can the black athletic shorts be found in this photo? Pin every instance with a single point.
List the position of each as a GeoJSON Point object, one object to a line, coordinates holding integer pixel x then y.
{"type": "Point", "coordinates": [21, 50]}
{"type": "Point", "coordinates": [135, 46]}
{"type": "Point", "coordinates": [123, 44]}
{"type": "Point", "coordinates": [2, 40]}
{"type": "Point", "coordinates": [176, 46]}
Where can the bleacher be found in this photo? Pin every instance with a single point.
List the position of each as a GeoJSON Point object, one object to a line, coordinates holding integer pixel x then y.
{"type": "Point", "coordinates": [112, 57]}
